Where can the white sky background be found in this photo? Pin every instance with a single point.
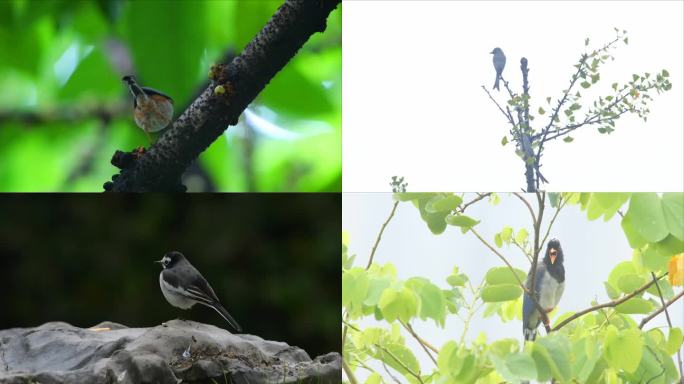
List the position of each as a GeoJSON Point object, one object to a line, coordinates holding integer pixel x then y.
{"type": "Point", "coordinates": [591, 250]}
{"type": "Point", "coordinates": [413, 104]}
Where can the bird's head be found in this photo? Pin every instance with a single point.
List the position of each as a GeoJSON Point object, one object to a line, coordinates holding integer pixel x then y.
{"type": "Point", "coordinates": [170, 259]}
{"type": "Point", "coordinates": [128, 79]}
{"type": "Point", "coordinates": [554, 252]}
{"type": "Point", "coordinates": [496, 50]}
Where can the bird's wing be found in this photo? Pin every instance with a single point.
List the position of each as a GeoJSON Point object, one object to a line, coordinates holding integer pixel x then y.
{"type": "Point", "coordinates": [152, 91]}
{"type": "Point", "coordinates": [559, 293]}
{"type": "Point", "coordinates": [200, 287]}
{"type": "Point", "coordinates": [171, 278]}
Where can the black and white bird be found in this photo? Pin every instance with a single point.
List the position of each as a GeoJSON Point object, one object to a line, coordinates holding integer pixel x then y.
{"type": "Point", "coordinates": [183, 286]}
{"type": "Point", "coordinates": [549, 282]}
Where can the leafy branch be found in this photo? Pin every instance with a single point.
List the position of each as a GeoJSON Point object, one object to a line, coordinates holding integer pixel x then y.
{"type": "Point", "coordinates": [631, 97]}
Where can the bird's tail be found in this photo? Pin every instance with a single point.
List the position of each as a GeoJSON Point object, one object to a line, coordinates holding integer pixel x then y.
{"type": "Point", "coordinates": [530, 334]}
{"type": "Point", "coordinates": [496, 83]}
{"type": "Point", "coordinates": [222, 311]}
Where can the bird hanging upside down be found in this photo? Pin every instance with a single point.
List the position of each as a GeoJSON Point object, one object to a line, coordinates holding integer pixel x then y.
{"type": "Point", "coordinates": [549, 283]}
{"type": "Point", "coordinates": [152, 109]}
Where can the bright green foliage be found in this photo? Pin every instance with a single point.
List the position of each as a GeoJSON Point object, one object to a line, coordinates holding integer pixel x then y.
{"type": "Point", "coordinates": [602, 346]}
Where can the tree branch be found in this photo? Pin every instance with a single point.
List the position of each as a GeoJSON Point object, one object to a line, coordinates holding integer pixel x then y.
{"type": "Point", "coordinates": [612, 303]}
{"type": "Point", "coordinates": [669, 322]}
{"type": "Point", "coordinates": [661, 309]}
{"type": "Point", "coordinates": [401, 363]}
{"type": "Point", "coordinates": [161, 166]}
{"type": "Point", "coordinates": [424, 344]}
{"type": "Point", "coordinates": [479, 197]}
{"type": "Point", "coordinates": [382, 230]}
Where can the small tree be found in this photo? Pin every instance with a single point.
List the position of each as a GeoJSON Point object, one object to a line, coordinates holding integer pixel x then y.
{"type": "Point", "coordinates": [568, 114]}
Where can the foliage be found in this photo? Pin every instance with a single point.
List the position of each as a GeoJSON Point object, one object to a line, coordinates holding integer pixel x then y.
{"type": "Point", "coordinates": [603, 345]}
{"type": "Point", "coordinates": [65, 111]}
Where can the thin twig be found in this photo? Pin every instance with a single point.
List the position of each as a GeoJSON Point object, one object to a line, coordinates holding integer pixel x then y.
{"type": "Point", "coordinates": [416, 375]}
{"type": "Point", "coordinates": [669, 322]}
{"type": "Point", "coordinates": [561, 204]}
{"type": "Point", "coordinates": [611, 304]}
{"type": "Point", "coordinates": [420, 341]}
{"type": "Point", "coordinates": [382, 229]}
{"type": "Point", "coordinates": [348, 371]}
{"type": "Point", "coordinates": [524, 288]}
{"type": "Point", "coordinates": [479, 197]}
{"type": "Point", "coordinates": [660, 310]}
{"type": "Point", "coordinates": [529, 207]}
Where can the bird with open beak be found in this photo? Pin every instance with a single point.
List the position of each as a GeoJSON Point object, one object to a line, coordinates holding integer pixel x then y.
{"type": "Point", "coordinates": [549, 283]}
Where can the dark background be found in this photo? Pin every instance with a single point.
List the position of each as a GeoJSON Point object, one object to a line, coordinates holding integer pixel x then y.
{"type": "Point", "coordinates": [273, 260]}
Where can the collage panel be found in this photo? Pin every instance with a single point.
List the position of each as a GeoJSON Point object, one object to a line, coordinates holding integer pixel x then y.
{"type": "Point", "coordinates": [233, 288]}
{"type": "Point", "coordinates": [170, 96]}
{"type": "Point", "coordinates": [512, 287]}
{"type": "Point", "coordinates": [514, 95]}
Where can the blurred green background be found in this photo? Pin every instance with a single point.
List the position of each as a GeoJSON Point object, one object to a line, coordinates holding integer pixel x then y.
{"type": "Point", "coordinates": [272, 259]}
{"type": "Point", "coordinates": [64, 110]}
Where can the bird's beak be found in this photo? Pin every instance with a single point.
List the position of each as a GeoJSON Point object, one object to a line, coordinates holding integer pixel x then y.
{"type": "Point", "coordinates": [158, 261]}
{"type": "Point", "coordinates": [552, 255]}
{"type": "Point", "coordinates": [491, 52]}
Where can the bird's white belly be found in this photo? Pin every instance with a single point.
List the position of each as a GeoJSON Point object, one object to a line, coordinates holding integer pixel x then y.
{"type": "Point", "coordinates": [173, 295]}
{"type": "Point", "coordinates": [550, 294]}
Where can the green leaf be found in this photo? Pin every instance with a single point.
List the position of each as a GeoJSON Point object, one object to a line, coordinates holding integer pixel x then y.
{"type": "Point", "coordinates": [665, 73]}
{"type": "Point", "coordinates": [623, 349]}
{"type": "Point", "coordinates": [586, 352]}
{"type": "Point", "coordinates": [621, 269]}
{"type": "Point", "coordinates": [354, 287]}
{"type": "Point", "coordinates": [504, 140]}
{"type": "Point", "coordinates": [628, 283]}
{"type": "Point", "coordinates": [541, 111]}
{"type": "Point", "coordinates": [521, 236]}
{"type": "Point", "coordinates": [410, 196]}
{"type": "Point", "coordinates": [448, 361]}
{"type": "Point", "coordinates": [376, 286]}
{"type": "Point", "coordinates": [462, 221]}
{"type": "Point", "coordinates": [374, 378]}
{"type": "Point", "coordinates": [585, 84]}
{"type": "Point", "coordinates": [552, 355]}
{"type": "Point", "coordinates": [673, 210]}
{"type": "Point", "coordinates": [611, 291]}
{"type": "Point", "coordinates": [500, 292]}
{"type": "Point", "coordinates": [401, 353]}
{"type": "Point", "coordinates": [635, 305]}
{"type": "Point", "coordinates": [399, 304]}
{"type": "Point", "coordinates": [443, 203]}
{"type": "Point", "coordinates": [498, 241]}
{"type": "Point", "coordinates": [568, 139]}
{"type": "Point", "coordinates": [647, 217]}
{"type": "Point", "coordinates": [506, 234]}
{"type": "Point", "coordinates": [504, 275]}
{"type": "Point", "coordinates": [432, 301]}
{"type": "Point", "coordinates": [633, 237]}
{"type": "Point", "coordinates": [674, 341]}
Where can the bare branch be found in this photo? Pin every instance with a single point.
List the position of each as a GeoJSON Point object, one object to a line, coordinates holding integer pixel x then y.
{"type": "Point", "coordinates": [610, 304]}
{"type": "Point", "coordinates": [382, 230]}
{"type": "Point", "coordinates": [661, 309]}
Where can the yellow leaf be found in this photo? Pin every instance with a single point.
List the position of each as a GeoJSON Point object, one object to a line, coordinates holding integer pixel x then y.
{"type": "Point", "coordinates": [675, 270]}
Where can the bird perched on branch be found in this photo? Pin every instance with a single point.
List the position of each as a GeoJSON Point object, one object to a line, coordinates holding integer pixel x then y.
{"type": "Point", "coordinates": [152, 109]}
{"type": "Point", "coordinates": [549, 282]}
{"type": "Point", "coordinates": [499, 64]}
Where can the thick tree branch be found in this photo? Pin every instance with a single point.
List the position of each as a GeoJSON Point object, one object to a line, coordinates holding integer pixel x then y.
{"type": "Point", "coordinates": [161, 166]}
{"type": "Point", "coordinates": [612, 303]}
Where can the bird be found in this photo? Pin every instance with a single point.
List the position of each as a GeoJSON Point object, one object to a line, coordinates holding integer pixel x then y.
{"type": "Point", "coordinates": [499, 64]}
{"type": "Point", "coordinates": [152, 109]}
{"type": "Point", "coordinates": [183, 286]}
{"type": "Point", "coordinates": [549, 282]}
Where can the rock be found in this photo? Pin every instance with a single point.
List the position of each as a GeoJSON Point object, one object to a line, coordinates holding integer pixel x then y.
{"type": "Point", "coordinates": [170, 353]}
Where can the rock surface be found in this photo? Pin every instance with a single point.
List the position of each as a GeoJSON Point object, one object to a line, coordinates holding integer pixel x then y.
{"type": "Point", "coordinates": [170, 353]}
